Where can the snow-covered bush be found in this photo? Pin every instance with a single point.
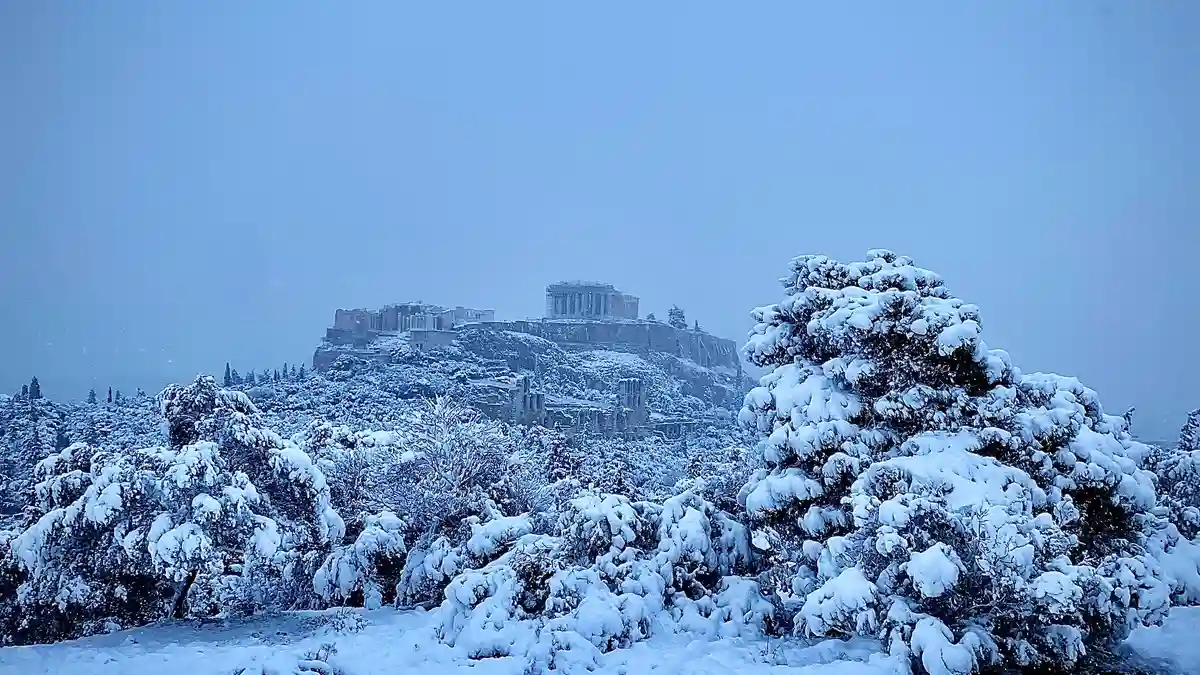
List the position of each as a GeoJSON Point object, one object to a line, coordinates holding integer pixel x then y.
{"type": "Point", "coordinates": [198, 528]}
{"type": "Point", "coordinates": [442, 463]}
{"type": "Point", "coordinates": [922, 489]}
{"type": "Point", "coordinates": [615, 571]}
{"type": "Point", "coordinates": [365, 572]}
{"type": "Point", "coordinates": [1177, 543]}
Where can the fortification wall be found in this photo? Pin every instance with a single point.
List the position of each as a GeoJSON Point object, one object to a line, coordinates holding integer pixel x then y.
{"type": "Point", "coordinates": [707, 350]}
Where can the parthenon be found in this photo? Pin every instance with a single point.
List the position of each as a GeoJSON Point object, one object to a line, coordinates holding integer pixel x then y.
{"type": "Point", "coordinates": [588, 300]}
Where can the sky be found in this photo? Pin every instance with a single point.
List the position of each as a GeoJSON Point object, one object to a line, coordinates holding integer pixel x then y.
{"type": "Point", "coordinates": [185, 184]}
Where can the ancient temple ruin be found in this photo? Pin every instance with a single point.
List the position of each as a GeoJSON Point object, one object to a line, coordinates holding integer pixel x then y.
{"type": "Point", "coordinates": [589, 300]}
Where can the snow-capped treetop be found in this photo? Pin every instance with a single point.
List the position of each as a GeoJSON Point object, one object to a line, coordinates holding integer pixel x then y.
{"type": "Point", "coordinates": [188, 409]}
{"type": "Point", "coordinates": [913, 473]}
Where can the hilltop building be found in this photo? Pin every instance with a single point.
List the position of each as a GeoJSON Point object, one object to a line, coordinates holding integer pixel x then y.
{"type": "Point", "coordinates": [589, 300]}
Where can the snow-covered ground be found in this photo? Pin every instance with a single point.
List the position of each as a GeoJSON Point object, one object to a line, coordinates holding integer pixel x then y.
{"type": "Point", "coordinates": [387, 641]}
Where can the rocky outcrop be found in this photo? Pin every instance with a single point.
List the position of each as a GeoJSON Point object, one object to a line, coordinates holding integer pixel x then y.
{"type": "Point", "coordinates": [629, 336]}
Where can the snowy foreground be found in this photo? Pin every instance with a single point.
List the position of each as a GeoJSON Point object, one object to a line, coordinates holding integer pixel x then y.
{"type": "Point", "coordinates": [387, 641]}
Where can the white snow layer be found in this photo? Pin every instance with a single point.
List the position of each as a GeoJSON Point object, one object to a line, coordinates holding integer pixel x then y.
{"type": "Point", "coordinates": [387, 641]}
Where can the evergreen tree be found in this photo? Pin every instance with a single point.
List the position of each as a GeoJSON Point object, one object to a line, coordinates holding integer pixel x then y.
{"type": "Point", "coordinates": [294, 372]}
{"type": "Point", "coordinates": [1189, 435]}
{"type": "Point", "coordinates": [251, 378]}
{"type": "Point", "coordinates": [110, 398]}
{"type": "Point", "coordinates": [24, 391]}
{"type": "Point", "coordinates": [235, 378]}
{"type": "Point", "coordinates": [35, 389]}
{"type": "Point", "coordinates": [1178, 471]}
{"type": "Point", "coordinates": [1128, 417]}
{"type": "Point", "coordinates": [91, 396]}
{"type": "Point", "coordinates": [922, 489]}
{"type": "Point", "coordinates": [118, 398]}
{"type": "Point", "coordinates": [676, 318]}
{"type": "Point", "coordinates": [228, 379]}
{"type": "Point", "coordinates": [284, 372]}
{"type": "Point", "coordinates": [276, 378]}
{"type": "Point", "coordinates": [301, 371]}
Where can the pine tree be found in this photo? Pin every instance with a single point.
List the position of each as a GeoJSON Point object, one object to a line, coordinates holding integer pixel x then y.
{"type": "Point", "coordinates": [91, 396]}
{"type": "Point", "coordinates": [35, 389]}
{"type": "Point", "coordinates": [276, 377]}
{"type": "Point", "coordinates": [251, 378]}
{"type": "Point", "coordinates": [284, 372]}
{"type": "Point", "coordinates": [294, 376]}
{"type": "Point", "coordinates": [908, 465]}
{"type": "Point", "coordinates": [301, 371]}
{"type": "Point", "coordinates": [228, 380]}
{"type": "Point", "coordinates": [1128, 417]}
{"type": "Point", "coordinates": [676, 318]}
{"type": "Point", "coordinates": [118, 398]}
{"type": "Point", "coordinates": [24, 391]}
{"type": "Point", "coordinates": [1178, 471]}
{"type": "Point", "coordinates": [235, 378]}
{"type": "Point", "coordinates": [110, 398]}
{"type": "Point", "coordinates": [1189, 435]}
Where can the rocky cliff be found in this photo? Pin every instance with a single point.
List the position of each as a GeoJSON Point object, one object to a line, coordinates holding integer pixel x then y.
{"type": "Point", "coordinates": [639, 337]}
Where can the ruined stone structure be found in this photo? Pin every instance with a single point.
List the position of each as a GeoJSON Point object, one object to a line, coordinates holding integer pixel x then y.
{"type": "Point", "coordinates": [589, 300]}
{"type": "Point", "coordinates": [528, 406]}
{"type": "Point", "coordinates": [633, 401]}
{"type": "Point", "coordinates": [405, 316]}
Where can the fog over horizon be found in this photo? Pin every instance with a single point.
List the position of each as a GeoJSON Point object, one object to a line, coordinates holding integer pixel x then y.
{"type": "Point", "coordinates": [182, 186]}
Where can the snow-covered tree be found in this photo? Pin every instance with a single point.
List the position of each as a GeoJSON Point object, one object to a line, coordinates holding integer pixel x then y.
{"type": "Point", "coordinates": [921, 488]}
{"type": "Point", "coordinates": [228, 379]}
{"type": "Point", "coordinates": [35, 389]}
{"type": "Point", "coordinates": [110, 397]}
{"type": "Point", "coordinates": [676, 318]}
{"type": "Point", "coordinates": [91, 397]}
{"type": "Point", "coordinates": [1189, 435]}
{"type": "Point", "coordinates": [29, 431]}
{"type": "Point", "coordinates": [447, 457]}
{"type": "Point", "coordinates": [1178, 471]}
{"type": "Point", "coordinates": [227, 518]}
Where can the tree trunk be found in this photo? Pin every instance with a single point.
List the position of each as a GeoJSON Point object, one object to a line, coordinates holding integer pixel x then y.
{"type": "Point", "coordinates": [181, 599]}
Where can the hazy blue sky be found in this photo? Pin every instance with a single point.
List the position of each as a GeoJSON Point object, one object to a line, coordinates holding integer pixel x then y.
{"type": "Point", "coordinates": [183, 184]}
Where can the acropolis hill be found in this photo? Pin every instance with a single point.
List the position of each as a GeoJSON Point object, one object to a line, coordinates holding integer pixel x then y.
{"type": "Point", "coordinates": [517, 376]}
{"type": "Point", "coordinates": [579, 315]}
